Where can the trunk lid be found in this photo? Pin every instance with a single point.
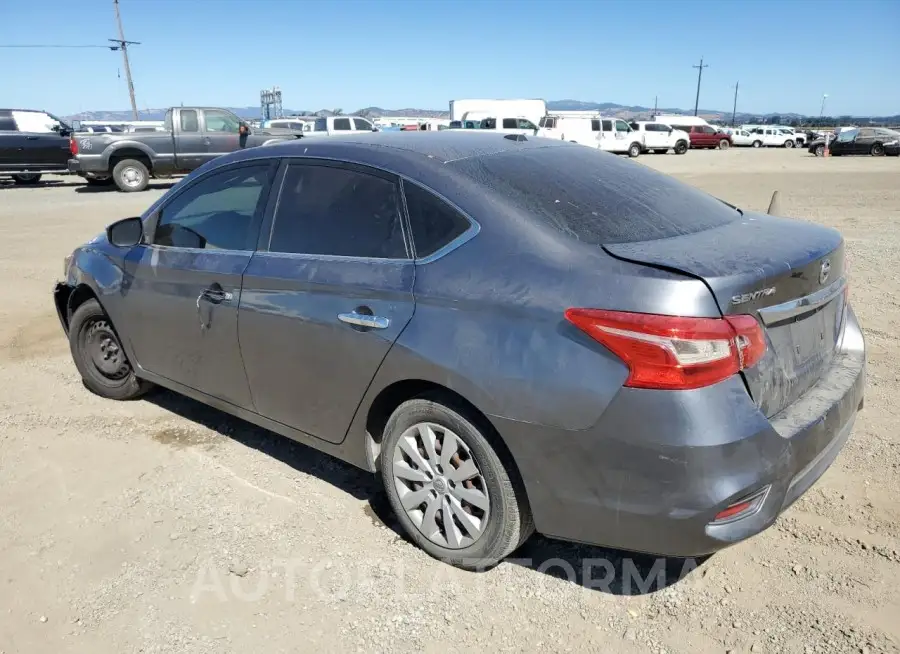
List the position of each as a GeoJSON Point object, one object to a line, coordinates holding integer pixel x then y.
{"type": "Point", "coordinates": [788, 274]}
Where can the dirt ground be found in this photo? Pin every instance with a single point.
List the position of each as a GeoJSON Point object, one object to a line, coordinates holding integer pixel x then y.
{"type": "Point", "coordinates": [164, 526]}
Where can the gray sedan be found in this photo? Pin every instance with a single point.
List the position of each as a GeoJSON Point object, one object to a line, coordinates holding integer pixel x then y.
{"type": "Point", "coordinates": [513, 333]}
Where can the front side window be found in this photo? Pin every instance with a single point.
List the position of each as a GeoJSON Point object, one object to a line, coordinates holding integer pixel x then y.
{"type": "Point", "coordinates": [622, 126]}
{"type": "Point", "coordinates": [848, 135]}
{"type": "Point", "coordinates": [434, 223]}
{"type": "Point", "coordinates": [524, 123]}
{"type": "Point", "coordinates": [342, 124]}
{"type": "Point", "coordinates": [34, 121]}
{"type": "Point", "coordinates": [328, 210]}
{"type": "Point", "coordinates": [488, 123]}
{"type": "Point", "coordinates": [217, 212]}
{"type": "Point", "coordinates": [221, 121]}
{"type": "Point", "coordinates": [362, 124]}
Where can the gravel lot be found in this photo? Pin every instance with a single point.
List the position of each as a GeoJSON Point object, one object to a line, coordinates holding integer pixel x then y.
{"type": "Point", "coordinates": [164, 526]}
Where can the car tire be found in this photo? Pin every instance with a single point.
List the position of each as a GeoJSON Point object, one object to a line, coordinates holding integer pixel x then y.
{"type": "Point", "coordinates": [819, 151]}
{"type": "Point", "coordinates": [99, 356]}
{"type": "Point", "coordinates": [634, 150]}
{"type": "Point", "coordinates": [26, 179]}
{"type": "Point", "coordinates": [131, 175]}
{"type": "Point", "coordinates": [681, 147]}
{"type": "Point", "coordinates": [724, 144]}
{"type": "Point", "coordinates": [789, 144]}
{"type": "Point", "coordinates": [494, 528]}
{"type": "Point", "coordinates": [757, 144]}
{"type": "Point", "coordinates": [877, 150]}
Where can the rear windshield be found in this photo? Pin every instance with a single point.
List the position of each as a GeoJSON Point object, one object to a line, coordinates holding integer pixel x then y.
{"type": "Point", "coordinates": [597, 197]}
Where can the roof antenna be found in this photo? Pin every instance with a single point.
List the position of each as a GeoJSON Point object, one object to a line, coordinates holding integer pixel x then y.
{"type": "Point", "coordinates": [774, 205]}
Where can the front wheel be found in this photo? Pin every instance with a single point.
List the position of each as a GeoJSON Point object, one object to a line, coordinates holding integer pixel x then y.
{"type": "Point", "coordinates": [452, 492]}
{"type": "Point", "coordinates": [819, 151]}
{"type": "Point", "coordinates": [877, 150]}
{"type": "Point", "coordinates": [26, 179]}
{"type": "Point", "coordinates": [634, 150]}
{"type": "Point", "coordinates": [131, 175]}
{"type": "Point", "coordinates": [757, 144]}
{"type": "Point", "coordinates": [681, 147]}
{"type": "Point", "coordinates": [724, 144]}
{"type": "Point", "coordinates": [99, 357]}
{"type": "Point", "coordinates": [789, 144]}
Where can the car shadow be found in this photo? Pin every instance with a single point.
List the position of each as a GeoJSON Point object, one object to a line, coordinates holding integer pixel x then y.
{"type": "Point", "coordinates": [108, 188]}
{"type": "Point", "coordinates": [6, 184]}
{"type": "Point", "coordinates": [604, 570]}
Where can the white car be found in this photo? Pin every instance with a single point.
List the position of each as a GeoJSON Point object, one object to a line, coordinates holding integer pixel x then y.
{"type": "Point", "coordinates": [607, 134]}
{"type": "Point", "coordinates": [772, 137]}
{"type": "Point", "coordinates": [508, 125]}
{"type": "Point", "coordinates": [660, 138]}
{"type": "Point", "coordinates": [739, 137]}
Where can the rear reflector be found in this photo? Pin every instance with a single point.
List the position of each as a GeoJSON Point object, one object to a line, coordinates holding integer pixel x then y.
{"type": "Point", "coordinates": [743, 508]}
{"type": "Point", "coordinates": [673, 352]}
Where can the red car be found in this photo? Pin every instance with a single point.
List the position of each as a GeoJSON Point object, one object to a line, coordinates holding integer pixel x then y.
{"type": "Point", "coordinates": [707, 136]}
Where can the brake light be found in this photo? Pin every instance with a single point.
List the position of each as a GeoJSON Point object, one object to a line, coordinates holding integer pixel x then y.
{"type": "Point", "coordinates": [73, 146]}
{"type": "Point", "coordinates": [674, 352]}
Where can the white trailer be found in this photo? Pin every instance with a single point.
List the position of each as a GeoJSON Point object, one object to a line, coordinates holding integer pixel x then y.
{"type": "Point", "coordinates": [533, 110]}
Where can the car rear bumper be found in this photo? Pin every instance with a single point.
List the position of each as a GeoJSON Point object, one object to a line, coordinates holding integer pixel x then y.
{"type": "Point", "coordinates": [87, 165]}
{"type": "Point", "coordinates": [660, 466]}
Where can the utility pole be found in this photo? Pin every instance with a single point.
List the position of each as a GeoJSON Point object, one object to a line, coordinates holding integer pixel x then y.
{"type": "Point", "coordinates": [734, 111]}
{"type": "Point", "coordinates": [123, 46]}
{"type": "Point", "coordinates": [699, 77]}
{"type": "Point", "coordinates": [655, 104]}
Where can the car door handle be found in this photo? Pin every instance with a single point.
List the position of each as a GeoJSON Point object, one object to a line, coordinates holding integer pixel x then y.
{"type": "Point", "coordinates": [216, 296]}
{"type": "Point", "coordinates": [31, 138]}
{"type": "Point", "coordinates": [363, 320]}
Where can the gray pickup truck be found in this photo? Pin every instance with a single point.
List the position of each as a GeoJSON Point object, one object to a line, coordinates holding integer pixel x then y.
{"type": "Point", "coordinates": [191, 137]}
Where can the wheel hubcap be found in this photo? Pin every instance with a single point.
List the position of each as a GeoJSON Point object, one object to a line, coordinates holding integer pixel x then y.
{"type": "Point", "coordinates": [440, 486]}
{"type": "Point", "coordinates": [105, 352]}
{"type": "Point", "coordinates": [132, 176]}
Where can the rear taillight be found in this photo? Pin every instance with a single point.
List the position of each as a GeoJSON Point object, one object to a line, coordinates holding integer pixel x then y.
{"type": "Point", "coordinates": [673, 352]}
{"type": "Point", "coordinates": [73, 146]}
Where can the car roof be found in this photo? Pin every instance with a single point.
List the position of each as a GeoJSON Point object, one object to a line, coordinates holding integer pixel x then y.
{"type": "Point", "coordinates": [400, 152]}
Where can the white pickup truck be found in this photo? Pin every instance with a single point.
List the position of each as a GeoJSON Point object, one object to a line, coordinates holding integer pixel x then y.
{"type": "Point", "coordinates": [340, 125]}
{"type": "Point", "coordinates": [660, 138]}
{"type": "Point", "coordinates": [772, 137]}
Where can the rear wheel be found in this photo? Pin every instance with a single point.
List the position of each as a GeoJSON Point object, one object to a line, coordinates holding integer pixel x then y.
{"type": "Point", "coordinates": [877, 150]}
{"type": "Point", "coordinates": [634, 150]}
{"type": "Point", "coordinates": [26, 179]}
{"type": "Point", "coordinates": [757, 144]}
{"type": "Point", "coordinates": [99, 357]}
{"type": "Point", "coordinates": [724, 144]}
{"type": "Point", "coordinates": [131, 175]}
{"type": "Point", "coordinates": [455, 495]}
{"type": "Point", "coordinates": [681, 147]}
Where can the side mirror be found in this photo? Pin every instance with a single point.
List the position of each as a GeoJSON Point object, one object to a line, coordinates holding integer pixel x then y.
{"type": "Point", "coordinates": [671, 129]}
{"type": "Point", "coordinates": [125, 233]}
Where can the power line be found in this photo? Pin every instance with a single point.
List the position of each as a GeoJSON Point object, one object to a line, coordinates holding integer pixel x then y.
{"type": "Point", "coordinates": [699, 77]}
{"type": "Point", "coordinates": [105, 47]}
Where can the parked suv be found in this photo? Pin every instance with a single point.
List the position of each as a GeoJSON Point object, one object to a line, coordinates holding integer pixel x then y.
{"type": "Point", "coordinates": [660, 138]}
{"type": "Point", "coordinates": [707, 136]}
{"type": "Point", "coordinates": [32, 143]}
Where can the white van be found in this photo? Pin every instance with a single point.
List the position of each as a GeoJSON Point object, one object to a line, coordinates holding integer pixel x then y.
{"type": "Point", "coordinates": [607, 134]}
{"type": "Point", "coordinates": [507, 125]}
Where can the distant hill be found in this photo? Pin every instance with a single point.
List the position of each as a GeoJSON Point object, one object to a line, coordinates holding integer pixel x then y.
{"type": "Point", "coordinates": [606, 108]}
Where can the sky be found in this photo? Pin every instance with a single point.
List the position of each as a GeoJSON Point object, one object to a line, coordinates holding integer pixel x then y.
{"type": "Point", "coordinates": [350, 54]}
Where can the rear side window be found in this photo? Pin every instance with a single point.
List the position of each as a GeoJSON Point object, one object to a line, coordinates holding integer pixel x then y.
{"type": "Point", "coordinates": [7, 124]}
{"type": "Point", "coordinates": [607, 125]}
{"type": "Point", "coordinates": [327, 210]}
{"type": "Point", "coordinates": [510, 123]}
{"type": "Point", "coordinates": [434, 223]}
{"type": "Point", "coordinates": [594, 197]}
{"type": "Point", "coordinates": [189, 121]}
{"type": "Point", "coordinates": [342, 124]}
